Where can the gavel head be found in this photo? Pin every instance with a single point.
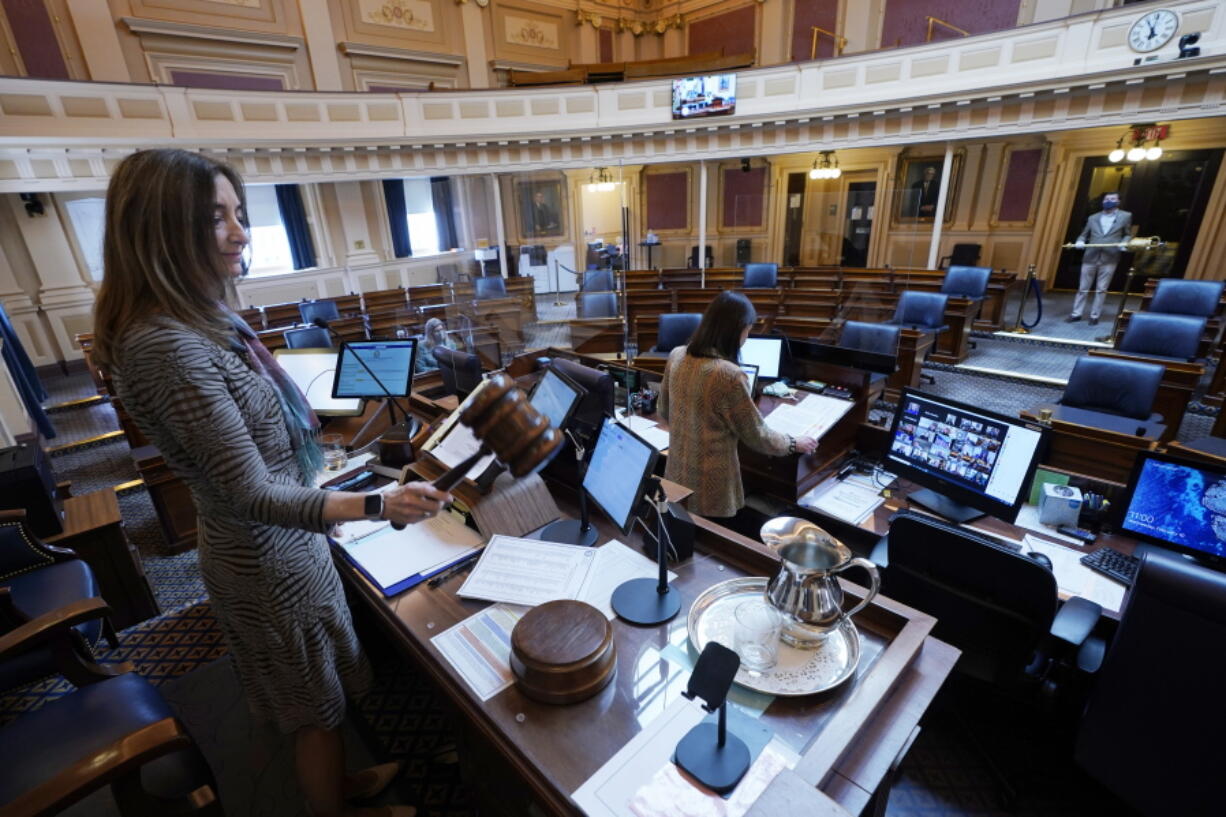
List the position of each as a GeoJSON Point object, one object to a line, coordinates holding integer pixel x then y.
{"type": "Point", "coordinates": [502, 418]}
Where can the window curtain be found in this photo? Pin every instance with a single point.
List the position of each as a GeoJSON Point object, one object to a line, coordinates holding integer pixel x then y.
{"type": "Point", "coordinates": [25, 378]}
{"type": "Point", "coordinates": [397, 217]}
{"type": "Point", "coordinates": [444, 212]}
{"type": "Point", "coordinates": [293, 217]}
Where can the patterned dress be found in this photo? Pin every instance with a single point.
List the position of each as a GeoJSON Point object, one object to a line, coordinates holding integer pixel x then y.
{"type": "Point", "coordinates": [263, 555]}
{"type": "Point", "coordinates": [709, 410]}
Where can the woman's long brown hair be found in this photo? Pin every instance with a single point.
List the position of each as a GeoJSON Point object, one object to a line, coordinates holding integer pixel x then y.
{"type": "Point", "coordinates": [159, 249]}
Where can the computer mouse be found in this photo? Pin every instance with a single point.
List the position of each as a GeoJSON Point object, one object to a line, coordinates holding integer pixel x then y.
{"type": "Point", "coordinates": [1041, 558]}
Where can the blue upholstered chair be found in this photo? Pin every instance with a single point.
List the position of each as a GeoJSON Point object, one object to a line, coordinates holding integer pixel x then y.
{"type": "Point", "coordinates": [870, 337]}
{"type": "Point", "coordinates": [967, 282]}
{"type": "Point", "coordinates": [922, 311]}
{"type": "Point", "coordinates": [761, 276]}
{"type": "Point", "coordinates": [310, 337]}
{"type": "Point", "coordinates": [1162, 335]}
{"type": "Point", "coordinates": [310, 310]}
{"type": "Point", "coordinates": [1122, 387]}
{"type": "Point", "coordinates": [597, 305]}
{"type": "Point", "coordinates": [35, 579]}
{"type": "Point", "coordinates": [600, 280]}
{"type": "Point", "coordinates": [675, 330]}
{"type": "Point", "coordinates": [962, 255]}
{"type": "Point", "coordinates": [114, 729]}
{"type": "Point", "coordinates": [1174, 296]}
{"type": "Point", "coordinates": [489, 286]}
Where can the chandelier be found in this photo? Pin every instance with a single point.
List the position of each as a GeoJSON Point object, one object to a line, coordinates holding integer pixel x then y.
{"type": "Point", "coordinates": [1138, 136]}
{"type": "Point", "coordinates": [600, 181]}
{"type": "Point", "coordinates": [826, 166]}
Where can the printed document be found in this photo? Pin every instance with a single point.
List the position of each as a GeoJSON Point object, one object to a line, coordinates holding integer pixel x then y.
{"type": "Point", "coordinates": [390, 556]}
{"type": "Point", "coordinates": [811, 417]}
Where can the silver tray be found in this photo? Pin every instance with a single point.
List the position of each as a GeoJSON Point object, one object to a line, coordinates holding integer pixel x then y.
{"type": "Point", "coordinates": [799, 672]}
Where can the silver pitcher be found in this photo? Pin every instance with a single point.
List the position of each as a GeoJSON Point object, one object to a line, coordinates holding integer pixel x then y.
{"type": "Point", "coordinates": [806, 589]}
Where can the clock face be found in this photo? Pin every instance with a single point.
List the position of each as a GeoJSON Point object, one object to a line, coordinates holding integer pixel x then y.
{"type": "Point", "coordinates": [1153, 31]}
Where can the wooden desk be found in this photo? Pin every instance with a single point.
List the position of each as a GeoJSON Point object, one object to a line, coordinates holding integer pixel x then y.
{"type": "Point", "coordinates": [93, 528]}
{"type": "Point", "coordinates": [1095, 445]}
{"type": "Point", "coordinates": [848, 737]}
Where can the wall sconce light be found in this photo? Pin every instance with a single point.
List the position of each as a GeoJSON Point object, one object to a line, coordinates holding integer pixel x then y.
{"type": "Point", "coordinates": [600, 181]}
{"type": "Point", "coordinates": [34, 207]}
{"type": "Point", "coordinates": [745, 165]}
{"type": "Point", "coordinates": [1139, 136]}
{"type": "Point", "coordinates": [826, 166]}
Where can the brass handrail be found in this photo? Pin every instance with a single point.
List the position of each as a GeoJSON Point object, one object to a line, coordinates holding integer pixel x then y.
{"type": "Point", "coordinates": [839, 42]}
{"type": "Point", "coordinates": [931, 20]}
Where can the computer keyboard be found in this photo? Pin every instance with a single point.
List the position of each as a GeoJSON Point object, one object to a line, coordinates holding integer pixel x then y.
{"type": "Point", "coordinates": [1111, 562]}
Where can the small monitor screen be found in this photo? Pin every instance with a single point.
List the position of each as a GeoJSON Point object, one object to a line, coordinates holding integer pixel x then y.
{"type": "Point", "coordinates": [751, 372]}
{"type": "Point", "coordinates": [978, 458]}
{"type": "Point", "coordinates": [711, 95]}
{"type": "Point", "coordinates": [763, 353]}
{"type": "Point", "coordinates": [1178, 504]}
{"type": "Point", "coordinates": [556, 396]}
{"type": "Point", "coordinates": [313, 371]}
{"type": "Point", "coordinates": [615, 478]}
{"type": "Point", "coordinates": [375, 369]}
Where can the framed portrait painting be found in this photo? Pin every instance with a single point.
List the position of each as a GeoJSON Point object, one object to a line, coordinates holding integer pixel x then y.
{"type": "Point", "coordinates": [542, 208]}
{"type": "Point", "coordinates": [919, 186]}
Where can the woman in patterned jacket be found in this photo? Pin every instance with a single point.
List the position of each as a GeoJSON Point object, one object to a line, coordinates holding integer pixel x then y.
{"type": "Point", "coordinates": [233, 426]}
{"type": "Point", "coordinates": [705, 399]}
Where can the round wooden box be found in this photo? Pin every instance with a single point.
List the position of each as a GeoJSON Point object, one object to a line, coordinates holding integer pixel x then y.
{"type": "Point", "coordinates": [562, 652]}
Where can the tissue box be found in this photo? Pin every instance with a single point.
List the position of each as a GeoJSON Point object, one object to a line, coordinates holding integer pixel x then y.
{"type": "Point", "coordinates": [1059, 505]}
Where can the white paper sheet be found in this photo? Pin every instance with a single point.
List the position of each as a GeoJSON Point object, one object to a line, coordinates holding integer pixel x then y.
{"type": "Point", "coordinates": [615, 789]}
{"type": "Point", "coordinates": [390, 556]}
{"type": "Point", "coordinates": [479, 648]}
{"type": "Point", "coordinates": [845, 499]}
{"type": "Point", "coordinates": [1028, 518]}
{"type": "Point", "coordinates": [459, 445]}
{"type": "Point", "coordinates": [527, 571]}
{"type": "Point", "coordinates": [634, 422]}
{"type": "Point", "coordinates": [811, 417]}
{"type": "Point", "coordinates": [615, 563]}
{"type": "Point", "coordinates": [1076, 579]}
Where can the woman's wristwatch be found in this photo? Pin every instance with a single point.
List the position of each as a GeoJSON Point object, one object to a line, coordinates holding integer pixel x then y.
{"type": "Point", "coordinates": [791, 444]}
{"type": "Point", "coordinates": [373, 509]}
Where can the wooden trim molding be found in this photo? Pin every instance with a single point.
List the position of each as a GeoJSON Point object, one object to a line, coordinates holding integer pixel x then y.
{"type": "Point", "coordinates": [140, 26]}
{"type": "Point", "coordinates": [351, 49]}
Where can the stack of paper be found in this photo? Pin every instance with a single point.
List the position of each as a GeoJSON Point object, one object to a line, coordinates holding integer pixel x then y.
{"type": "Point", "coordinates": [396, 560]}
{"type": "Point", "coordinates": [655, 436]}
{"type": "Point", "coordinates": [850, 499]}
{"type": "Point", "coordinates": [1076, 579]}
{"type": "Point", "coordinates": [811, 417]}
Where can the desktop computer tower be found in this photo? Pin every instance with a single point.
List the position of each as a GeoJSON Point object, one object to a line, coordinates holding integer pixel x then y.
{"type": "Point", "coordinates": [26, 482]}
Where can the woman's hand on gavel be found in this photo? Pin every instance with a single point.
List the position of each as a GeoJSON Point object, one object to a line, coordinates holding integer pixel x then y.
{"type": "Point", "coordinates": [413, 502]}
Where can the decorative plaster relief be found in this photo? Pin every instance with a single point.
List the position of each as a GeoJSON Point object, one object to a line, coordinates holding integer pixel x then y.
{"type": "Point", "coordinates": [534, 33]}
{"type": "Point", "coordinates": [416, 15]}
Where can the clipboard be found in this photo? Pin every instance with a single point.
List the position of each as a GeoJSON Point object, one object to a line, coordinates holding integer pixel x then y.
{"type": "Point", "coordinates": [395, 561]}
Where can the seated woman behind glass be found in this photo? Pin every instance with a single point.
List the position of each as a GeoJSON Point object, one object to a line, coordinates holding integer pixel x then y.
{"type": "Point", "coordinates": [435, 335]}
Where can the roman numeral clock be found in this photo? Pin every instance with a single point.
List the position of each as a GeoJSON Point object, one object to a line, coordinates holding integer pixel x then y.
{"type": "Point", "coordinates": [1153, 30]}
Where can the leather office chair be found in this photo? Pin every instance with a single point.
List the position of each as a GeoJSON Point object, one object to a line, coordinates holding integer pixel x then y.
{"type": "Point", "coordinates": [1157, 695]}
{"type": "Point", "coordinates": [310, 337]}
{"type": "Point", "coordinates": [923, 311]}
{"type": "Point", "coordinates": [461, 371]}
{"type": "Point", "coordinates": [598, 281]}
{"type": "Point", "coordinates": [675, 330]}
{"type": "Point", "coordinates": [1163, 335]}
{"type": "Point", "coordinates": [761, 276]}
{"type": "Point", "coordinates": [962, 255]}
{"type": "Point", "coordinates": [1122, 387]}
{"type": "Point", "coordinates": [967, 282]}
{"type": "Point", "coordinates": [1175, 296]}
{"type": "Point", "coordinates": [310, 310]}
{"type": "Point", "coordinates": [870, 337]}
{"type": "Point", "coordinates": [490, 286]}
{"type": "Point", "coordinates": [35, 579]}
{"type": "Point", "coordinates": [597, 305]}
{"type": "Point", "coordinates": [114, 729]}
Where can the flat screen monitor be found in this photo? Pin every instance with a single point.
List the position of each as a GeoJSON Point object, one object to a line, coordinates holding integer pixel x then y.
{"type": "Point", "coordinates": [751, 372]}
{"type": "Point", "coordinates": [556, 396]}
{"type": "Point", "coordinates": [375, 368]}
{"type": "Point", "coordinates": [617, 474]}
{"type": "Point", "coordinates": [1178, 504]}
{"type": "Point", "coordinates": [710, 95]}
{"type": "Point", "coordinates": [806, 349]}
{"type": "Point", "coordinates": [970, 462]}
{"type": "Point", "coordinates": [765, 353]}
{"type": "Point", "coordinates": [313, 371]}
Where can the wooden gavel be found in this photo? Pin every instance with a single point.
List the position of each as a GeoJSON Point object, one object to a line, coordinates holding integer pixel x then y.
{"type": "Point", "coordinates": [509, 427]}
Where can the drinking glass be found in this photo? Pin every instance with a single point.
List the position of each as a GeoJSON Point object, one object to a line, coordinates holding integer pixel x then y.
{"type": "Point", "coordinates": [758, 625]}
{"type": "Point", "coordinates": [335, 455]}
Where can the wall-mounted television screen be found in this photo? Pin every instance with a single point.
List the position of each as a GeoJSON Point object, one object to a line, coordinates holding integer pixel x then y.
{"type": "Point", "coordinates": [712, 95]}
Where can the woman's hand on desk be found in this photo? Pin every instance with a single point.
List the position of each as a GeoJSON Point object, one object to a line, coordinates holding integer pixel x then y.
{"type": "Point", "coordinates": [806, 445]}
{"type": "Point", "coordinates": [413, 502]}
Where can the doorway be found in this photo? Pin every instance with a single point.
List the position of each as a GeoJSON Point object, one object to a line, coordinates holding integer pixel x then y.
{"type": "Point", "coordinates": [861, 197]}
{"type": "Point", "coordinates": [795, 219]}
{"type": "Point", "coordinates": [1166, 197]}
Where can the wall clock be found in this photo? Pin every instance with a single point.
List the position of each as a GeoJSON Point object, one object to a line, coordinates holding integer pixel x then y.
{"type": "Point", "coordinates": [1153, 30]}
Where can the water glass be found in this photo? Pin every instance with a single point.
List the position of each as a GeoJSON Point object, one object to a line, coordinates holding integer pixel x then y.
{"type": "Point", "coordinates": [335, 455]}
{"type": "Point", "coordinates": [758, 625]}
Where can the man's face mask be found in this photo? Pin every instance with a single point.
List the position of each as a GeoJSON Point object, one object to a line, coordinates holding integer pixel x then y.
{"type": "Point", "coordinates": [1111, 202]}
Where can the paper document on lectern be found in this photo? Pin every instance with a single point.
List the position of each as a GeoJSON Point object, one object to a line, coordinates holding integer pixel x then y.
{"type": "Point", "coordinates": [811, 417]}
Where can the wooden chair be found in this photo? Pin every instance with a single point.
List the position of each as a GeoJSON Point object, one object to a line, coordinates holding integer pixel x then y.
{"type": "Point", "coordinates": [279, 316]}
{"type": "Point", "coordinates": [384, 300]}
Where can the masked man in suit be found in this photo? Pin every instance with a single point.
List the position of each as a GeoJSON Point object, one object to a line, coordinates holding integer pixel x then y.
{"type": "Point", "coordinates": [1111, 225]}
